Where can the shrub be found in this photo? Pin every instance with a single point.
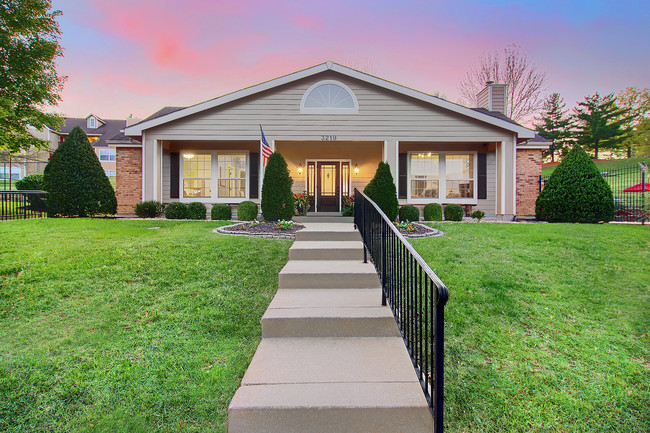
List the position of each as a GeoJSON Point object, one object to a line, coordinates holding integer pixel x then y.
{"type": "Point", "coordinates": [196, 211]}
{"type": "Point", "coordinates": [478, 214]}
{"type": "Point", "coordinates": [277, 198]}
{"type": "Point", "coordinates": [247, 211]}
{"type": "Point", "coordinates": [381, 190]}
{"type": "Point", "coordinates": [33, 182]}
{"type": "Point", "coordinates": [75, 180]}
{"type": "Point", "coordinates": [348, 206]}
{"type": "Point", "coordinates": [409, 213]}
{"type": "Point", "coordinates": [576, 192]}
{"type": "Point", "coordinates": [149, 209]}
{"type": "Point", "coordinates": [221, 211]}
{"type": "Point", "coordinates": [454, 212]}
{"type": "Point", "coordinates": [176, 211]}
{"type": "Point", "coordinates": [433, 212]}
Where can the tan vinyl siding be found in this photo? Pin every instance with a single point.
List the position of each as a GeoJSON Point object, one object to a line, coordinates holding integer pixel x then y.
{"type": "Point", "coordinates": [499, 98]}
{"type": "Point", "coordinates": [483, 98]}
{"type": "Point", "coordinates": [381, 114]}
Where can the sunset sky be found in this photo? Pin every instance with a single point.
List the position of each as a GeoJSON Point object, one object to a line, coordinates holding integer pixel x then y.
{"type": "Point", "coordinates": [135, 56]}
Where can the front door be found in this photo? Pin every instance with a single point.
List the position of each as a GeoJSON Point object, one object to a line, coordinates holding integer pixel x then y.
{"type": "Point", "coordinates": [328, 186]}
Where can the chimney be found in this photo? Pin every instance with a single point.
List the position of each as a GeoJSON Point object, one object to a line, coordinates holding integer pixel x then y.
{"type": "Point", "coordinates": [132, 120]}
{"type": "Point", "coordinates": [493, 97]}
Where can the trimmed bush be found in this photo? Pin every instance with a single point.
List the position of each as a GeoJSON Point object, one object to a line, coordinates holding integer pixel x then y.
{"type": "Point", "coordinates": [149, 209]}
{"type": "Point", "coordinates": [33, 182]}
{"type": "Point", "coordinates": [478, 214]}
{"type": "Point", "coordinates": [176, 211]}
{"type": "Point", "coordinates": [576, 192]}
{"type": "Point", "coordinates": [196, 211]}
{"type": "Point", "coordinates": [433, 212]}
{"type": "Point", "coordinates": [409, 213]}
{"type": "Point", "coordinates": [75, 180]}
{"type": "Point", "coordinates": [247, 211]}
{"type": "Point", "coordinates": [278, 202]}
{"type": "Point", "coordinates": [454, 212]}
{"type": "Point", "coordinates": [381, 190]}
{"type": "Point", "coordinates": [220, 212]}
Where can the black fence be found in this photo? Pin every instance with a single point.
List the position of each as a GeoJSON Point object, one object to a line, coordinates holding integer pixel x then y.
{"type": "Point", "coordinates": [630, 192]}
{"type": "Point", "coordinates": [16, 205]}
{"type": "Point", "coordinates": [414, 293]}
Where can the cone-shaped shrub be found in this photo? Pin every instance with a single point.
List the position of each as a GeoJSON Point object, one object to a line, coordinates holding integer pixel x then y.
{"type": "Point", "coordinates": [75, 180]}
{"type": "Point", "coordinates": [277, 197]}
{"type": "Point", "coordinates": [381, 189]}
{"type": "Point", "coordinates": [576, 192]}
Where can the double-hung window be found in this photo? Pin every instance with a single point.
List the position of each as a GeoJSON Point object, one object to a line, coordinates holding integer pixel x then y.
{"type": "Point", "coordinates": [442, 177]}
{"type": "Point", "coordinates": [107, 155]}
{"type": "Point", "coordinates": [218, 176]}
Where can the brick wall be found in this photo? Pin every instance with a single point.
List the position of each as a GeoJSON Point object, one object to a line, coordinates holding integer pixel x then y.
{"type": "Point", "coordinates": [529, 168]}
{"type": "Point", "coordinates": [129, 179]}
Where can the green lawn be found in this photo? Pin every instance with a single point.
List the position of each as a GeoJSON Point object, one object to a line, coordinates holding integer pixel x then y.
{"type": "Point", "coordinates": [107, 325]}
{"type": "Point", "coordinates": [546, 327]}
{"type": "Point", "coordinates": [610, 164]}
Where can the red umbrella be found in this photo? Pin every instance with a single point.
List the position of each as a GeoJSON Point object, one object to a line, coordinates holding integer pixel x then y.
{"type": "Point", "coordinates": [638, 188]}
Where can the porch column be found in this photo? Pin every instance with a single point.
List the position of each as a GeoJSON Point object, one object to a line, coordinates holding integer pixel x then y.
{"type": "Point", "coordinates": [506, 178]}
{"type": "Point", "coordinates": [389, 155]}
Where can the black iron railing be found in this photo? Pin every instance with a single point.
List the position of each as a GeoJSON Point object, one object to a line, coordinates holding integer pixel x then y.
{"type": "Point", "coordinates": [414, 293]}
{"type": "Point", "coordinates": [631, 195]}
{"type": "Point", "coordinates": [15, 205]}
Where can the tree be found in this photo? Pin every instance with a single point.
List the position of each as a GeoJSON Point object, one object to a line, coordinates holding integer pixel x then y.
{"type": "Point", "coordinates": [637, 101]}
{"type": "Point", "coordinates": [554, 125]}
{"type": "Point", "coordinates": [576, 192]}
{"type": "Point", "coordinates": [29, 46]}
{"type": "Point", "coordinates": [525, 82]}
{"type": "Point", "coordinates": [277, 198]}
{"type": "Point", "coordinates": [599, 123]}
{"type": "Point", "coordinates": [75, 180]}
{"type": "Point", "coordinates": [381, 189]}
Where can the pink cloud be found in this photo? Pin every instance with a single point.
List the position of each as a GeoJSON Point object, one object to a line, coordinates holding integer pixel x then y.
{"type": "Point", "coordinates": [308, 22]}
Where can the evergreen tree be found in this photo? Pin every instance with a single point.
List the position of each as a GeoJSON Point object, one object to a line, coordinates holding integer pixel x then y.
{"type": "Point", "coordinates": [576, 192]}
{"type": "Point", "coordinates": [599, 123]}
{"type": "Point", "coordinates": [75, 180]}
{"type": "Point", "coordinates": [637, 101]}
{"type": "Point", "coordinates": [381, 189]}
{"type": "Point", "coordinates": [554, 125]}
{"type": "Point", "coordinates": [277, 197]}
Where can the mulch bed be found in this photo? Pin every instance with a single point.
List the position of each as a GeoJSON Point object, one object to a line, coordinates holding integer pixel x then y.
{"type": "Point", "coordinates": [421, 231]}
{"type": "Point", "coordinates": [262, 229]}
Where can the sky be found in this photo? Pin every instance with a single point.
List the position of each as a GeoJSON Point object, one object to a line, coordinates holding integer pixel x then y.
{"type": "Point", "coordinates": [132, 57]}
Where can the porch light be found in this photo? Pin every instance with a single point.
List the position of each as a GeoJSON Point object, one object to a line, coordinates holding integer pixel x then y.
{"type": "Point", "coordinates": [356, 168]}
{"type": "Point", "coordinates": [299, 168]}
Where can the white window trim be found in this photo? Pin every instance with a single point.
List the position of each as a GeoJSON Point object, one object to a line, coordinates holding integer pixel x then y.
{"type": "Point", "coordinates": [92, 122]}
{"type": "Point", "coordinates": [214, 180]}
{"type": "Point", "coordinates": [305, 110]}
{"type": "Point", "coordinates": [442, 180]}
{"type": "Point", "coordinates": [109, 149]}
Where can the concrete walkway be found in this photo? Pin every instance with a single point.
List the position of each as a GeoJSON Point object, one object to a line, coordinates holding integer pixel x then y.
{"type": "Point", "coordinates": [331, 357]}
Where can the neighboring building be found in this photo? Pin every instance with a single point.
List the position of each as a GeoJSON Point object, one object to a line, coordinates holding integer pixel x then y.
{"type": "Point", "coordinates": [333, 124]}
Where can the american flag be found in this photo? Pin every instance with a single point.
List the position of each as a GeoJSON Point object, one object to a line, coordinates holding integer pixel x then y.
{"type": "Point", "coordinates": [266, 149]}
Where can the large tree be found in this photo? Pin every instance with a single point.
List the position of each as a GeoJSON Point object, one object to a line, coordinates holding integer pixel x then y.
{"type": "Point", "coordinates": [513, 67]}
{"type": "Point", "coordinates": [554, 125]}
{"type": "Point", "coordinates": [29, 83]}
{"type": "Point", "coordinates": [599, 123]}
{"type": "Point", "coordinates": [637, 101]}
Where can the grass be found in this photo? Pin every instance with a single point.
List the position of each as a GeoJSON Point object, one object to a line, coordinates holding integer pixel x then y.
{"type": "Point", "coordinates": [107, 325]}
{"type": "Point", "coordinates": [603, 165]}
{"type": "Point", "coordinates": [5, 185]}
{"type": "Point", "coordinates": [546, 326]}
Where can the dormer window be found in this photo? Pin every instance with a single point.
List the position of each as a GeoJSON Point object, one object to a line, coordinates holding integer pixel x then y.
{"type": "Point", "coordinates": [92, 123]}
{"type": "Point", "coordinates": [329, 97]}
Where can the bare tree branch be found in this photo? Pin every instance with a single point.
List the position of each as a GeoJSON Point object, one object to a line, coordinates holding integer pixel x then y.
{"type": "Point", "coordinates": [526, 83]}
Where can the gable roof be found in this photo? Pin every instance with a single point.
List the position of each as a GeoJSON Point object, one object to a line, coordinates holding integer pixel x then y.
{"type": "Point", "coordinates": [109, 129]}
{"type": "Point", "coordinates": [159, 119]}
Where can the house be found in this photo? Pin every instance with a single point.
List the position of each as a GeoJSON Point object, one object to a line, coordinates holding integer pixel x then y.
{"type": "Point", "coordinates": [333, 124]}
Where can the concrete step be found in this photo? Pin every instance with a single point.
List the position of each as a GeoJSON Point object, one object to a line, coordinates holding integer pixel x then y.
{"type": "Point", "coordinates": [353, 407]}
{"type": "Point", "coordinates": [328, 274]}
{"type": "Point", "coordinates": [320, 218]}
{"type": "Point", "coordinates": [300, 298]}
{"type": "Point", "coordinates": [326, 250]}
{"type": "Point", "coordinates": [328, 232]}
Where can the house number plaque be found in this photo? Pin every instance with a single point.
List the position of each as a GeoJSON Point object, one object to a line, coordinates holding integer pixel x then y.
{"type": "Point", "coordinates": [328, 138]}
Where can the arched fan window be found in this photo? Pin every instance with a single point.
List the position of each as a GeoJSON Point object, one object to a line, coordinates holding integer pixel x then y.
{"type": "Point", "coordinates": [329, 97]}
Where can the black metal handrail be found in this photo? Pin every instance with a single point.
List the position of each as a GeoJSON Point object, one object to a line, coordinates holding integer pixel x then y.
{"type": "Point", "coordinates": [22, 204]}
{"type": "Point", "coordinates": [414, 293]}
